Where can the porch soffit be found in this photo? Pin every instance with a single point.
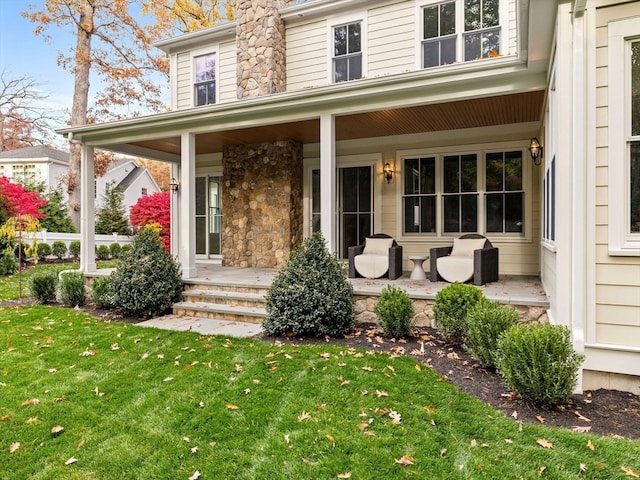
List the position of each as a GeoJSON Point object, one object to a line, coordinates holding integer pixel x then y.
{"type": "Point", "coordinates": [477, 112]}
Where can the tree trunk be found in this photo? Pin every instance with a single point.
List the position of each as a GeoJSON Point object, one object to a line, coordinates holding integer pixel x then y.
{"type": "Point", "coordinates": [80, 105]}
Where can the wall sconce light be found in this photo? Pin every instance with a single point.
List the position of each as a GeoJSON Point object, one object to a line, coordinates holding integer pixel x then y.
{"type": "Point", "coordinates": [174, 184]}
{"type": "Point", "coordinates": [388, 172]}
{"type": "Point", "coordinates": [536, 151]}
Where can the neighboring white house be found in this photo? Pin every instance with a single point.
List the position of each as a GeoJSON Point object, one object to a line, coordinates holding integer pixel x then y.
{"type": "Point", "coordinates": [285, 121]}
{"type": "Point", "coordinates": [133, 180]}
{"type": "Point", "coordinates": [38, 164]}
{"type": "Point", "coordinates": [48, 165]}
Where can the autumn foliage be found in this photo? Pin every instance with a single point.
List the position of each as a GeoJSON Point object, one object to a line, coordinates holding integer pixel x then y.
{"type": "Point", "coordinates": [15, 201]}
{"type": "Point", "coordinates": [156, 209]}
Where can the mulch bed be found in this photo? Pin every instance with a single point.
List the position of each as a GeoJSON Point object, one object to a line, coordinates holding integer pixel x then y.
{"type": "Point", "coordinates": [604, 412]}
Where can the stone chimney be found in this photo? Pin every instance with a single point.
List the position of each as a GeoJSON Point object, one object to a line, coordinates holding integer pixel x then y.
{"type": "Point", "coordinates": [261, 52]}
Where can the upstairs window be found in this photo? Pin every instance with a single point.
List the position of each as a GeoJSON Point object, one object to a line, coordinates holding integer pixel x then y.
{"type": "Point", "coordinates": [144, 192]}
{"type": "Point", "coordinates": [205, 79]}
{"type": "Point", "coordinates": [347, 52]}
{"type": "Point", "coordinates": [460, 30]}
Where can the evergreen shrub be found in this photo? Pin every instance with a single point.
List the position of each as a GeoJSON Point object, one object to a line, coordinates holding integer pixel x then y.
{"type": "Point", "coordinates": [102, 252]}
{"type": "Point", "coordinates": [450, 309]}
{"type": "Point", "coordinates": [395, 311]}
{"type": "Point", "coordinates": [102, 292]}
{"type": "Point", "coordinates": [115, 250]}
{"type": "Point", "coordinates": [310, 296]}
{"type": "Point", "coordinates": [71, 289]}
{"type": "Point", "coordinates": [44, 250]}
{"type": "Point", "coordinates": [538, 362]}
{"type": "Point", "coordinates": [59, 249]}
{"type": "Point", "coordinates": [74, 249]}
{"type": "Point", "coordinates": [42, 286]}
{"type": "Point", "coordinates": [8, 263]}
{"type": "Point", "coordinates": [148, 281]}
{"type": "Point", "coordinates": [484, 324]}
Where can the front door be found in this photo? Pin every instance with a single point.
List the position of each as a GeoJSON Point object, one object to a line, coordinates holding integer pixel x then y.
{"type": "Point", "coordinates": [208, 218]}
{"type": "Point", "coordinates": [355, 203]}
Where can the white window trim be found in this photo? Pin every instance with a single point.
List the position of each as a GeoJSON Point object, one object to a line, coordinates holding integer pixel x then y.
{"type": "Point", "coordinates": [621, 241]}
{"type": "Point", "coordinates": [215, 49]}
{"type": "Point", "coordinates": [333, 22]}
{"type": "Point", "coordinates": [481, 150]}
{"type": "Point", "coordinates": [504, 36]}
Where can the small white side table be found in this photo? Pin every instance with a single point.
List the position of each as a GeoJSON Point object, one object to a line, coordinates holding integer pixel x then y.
{"type": "Point", "coordinates": [418, 272]}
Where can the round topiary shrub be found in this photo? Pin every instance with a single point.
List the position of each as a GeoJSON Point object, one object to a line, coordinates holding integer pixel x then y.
{"type": "Point", "coordinates": [74, 249]}
{"type": "Point", "coordinates": [71, 289]}
{"type": "Point", "coordinates": [102, 252]}
{"type": "Point", "coordinates": [310, 296]}
{"type": "Point", "coordinates": [42, 286]}
{"type": "Point", "coordinates": [484, 324]}
{"type": "Point", "coordinates": [8, 263]}
{"type": "Point", "coordinates": [450, 309]}
{"type": "Point", "coordinates": [115, 250]}
{"type": "Point", "coordinates": [395, 311]}
{"type": "Point", "coordinates": [102, 292]}
{"type": "Point", "coordinates": [44, 250]}
{"type": "Point", "coordinates": [148, 281]}
{"type": "Point", "coordinates": [59, 249]}
{"type": "Point", "coordinates": [538, 362]}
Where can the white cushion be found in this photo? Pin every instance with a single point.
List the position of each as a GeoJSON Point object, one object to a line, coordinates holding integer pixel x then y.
{"type": "Point", "coordinates": [371, 265]}
{"type": "Point", "coordinates": [466, 246]}
{"type": "Point", "coordinates": [455, 268]}
{"type": "Point", "coordinates": [377, 246]}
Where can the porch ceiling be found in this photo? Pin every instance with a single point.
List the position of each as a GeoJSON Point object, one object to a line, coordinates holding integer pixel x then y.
{"type": "Point", "coordinates": [478, 112]}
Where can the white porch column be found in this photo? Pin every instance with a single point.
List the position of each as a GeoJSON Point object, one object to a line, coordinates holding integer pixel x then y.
{"type": "Point", "coordinates": [87, 211]}
{"type": "Point", "coordinates": [187, 206]}
{"type": "Point", "coordinates": [175, 214]}
{"type": "Point", "coordinates": [328, 180]}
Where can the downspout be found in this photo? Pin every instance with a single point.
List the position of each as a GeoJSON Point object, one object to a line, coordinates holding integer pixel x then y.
{"type": "Point", "coordinates": [579, 225]}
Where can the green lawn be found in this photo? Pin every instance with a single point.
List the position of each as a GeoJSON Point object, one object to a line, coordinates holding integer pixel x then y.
{"type": "Point", "coordinates": [139, 403]}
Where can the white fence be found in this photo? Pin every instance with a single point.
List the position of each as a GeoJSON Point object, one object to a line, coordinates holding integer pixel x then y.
{"type": "Point", "coordinates": [50, 237]}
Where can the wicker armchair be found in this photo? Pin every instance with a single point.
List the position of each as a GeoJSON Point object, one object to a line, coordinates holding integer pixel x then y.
{"type": "Point", "coordinates": [376, 260]}
{"type": "Point", "coordinates": [481, 263]}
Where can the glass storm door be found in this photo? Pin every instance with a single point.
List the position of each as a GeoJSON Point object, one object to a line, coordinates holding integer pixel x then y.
{"type": "Point", "coordinates": [355, 206]}
{"type": "Point", "coordinates": [208, 218]}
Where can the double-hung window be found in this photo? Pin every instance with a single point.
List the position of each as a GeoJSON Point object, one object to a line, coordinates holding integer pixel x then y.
{"type": "Point", "coordinates": [420, 195]}
{"type": "Point", "coordinates": [347, 52]}
{"type": "Point", "coordinates": [504, 196]}
{"type": "Point", "coordinates": [623, 65]}
{"type": "Point", "coordinates": [205, 79]}
{"type": "Point", "coordinates": [460, 193]}
{"type": "Point", "coordinates": [460, 30]}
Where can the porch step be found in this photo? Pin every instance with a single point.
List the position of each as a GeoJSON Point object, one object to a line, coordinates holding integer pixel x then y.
{"type": "Point", "coordinates": [220, 311]}
{"type": "Point", "coordinates": [236, 303]}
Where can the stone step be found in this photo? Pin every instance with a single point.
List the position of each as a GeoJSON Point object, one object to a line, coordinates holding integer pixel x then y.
{"type": "Point", "coordinates": [225, 287]}
{"type": "Point", "coordinates": [220, 311]}
{"type": "Point", "coordinates": [231, 298]}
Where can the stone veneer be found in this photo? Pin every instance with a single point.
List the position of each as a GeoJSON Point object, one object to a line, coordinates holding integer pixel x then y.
{"type": "Point", "coordinates": [262, 203]}
{"type": "Point", "coordinates": [261, 48]}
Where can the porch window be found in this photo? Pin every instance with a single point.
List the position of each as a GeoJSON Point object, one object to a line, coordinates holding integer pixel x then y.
{"type": "Point", "coordinates": [460, 30]}
{"type": "Point", "coordinates": [549, 231]}
{"type": "Point", "coordinates": [205, 79]}
{"type": "Point", "coordinates": [634, 140]}
{"type": "Point", "coordinates": [504, 198]}
{"type": "Point", "coordinates": [420, 195]}
{"type": "Point", "coordinates": [460, 193]}
{"type": "Point", "coordinates": [347, 52]}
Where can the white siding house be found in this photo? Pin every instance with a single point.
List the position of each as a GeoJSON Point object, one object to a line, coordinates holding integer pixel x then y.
{"type": "Point", "coordinates": [37, 164]}
{"type": "Point", "coordinates": [451, 100]}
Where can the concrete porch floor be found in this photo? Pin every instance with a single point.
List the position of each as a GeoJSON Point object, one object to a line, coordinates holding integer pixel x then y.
{"type": "Point", "coordinates": [509, 289]}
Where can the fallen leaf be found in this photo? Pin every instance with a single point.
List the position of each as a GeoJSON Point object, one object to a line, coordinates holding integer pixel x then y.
{"type": "Point", "coordinates": [331, 439]}
{"type": "Point", "coordinates": [541, 471]}
{"type": "Point", "coordinates": [195, 476]}
{"type": "Point", "coordinates": [591, 446]}
{"type": "Point", "coordinates": [474, 442]}
{"type": "Point", "coordinates": [167, 379]}
{"type": "Point", "coordinates": [540, 419]}
{"type": "Point", "coordinates": [515, 414]}
{"type": "Point", "coordinates": [544, 443]}
{"type": "Point", "coordinates": [581, 429]}
{"type": "Point", "coordinates": [580, 417]}
{"type": "Point", "coordinates": [443, 452]}
{"type": "Point", "coordinates": [417, 367]}
{"type": "Point", "coordinates": [583, 467]}
{"type": "Point", "coordinates": [186, 439]}
{"type": "Point", "coordinates": [344, 475]}
{"type": "Point", "coordinates": [31, 420]}
{"type": "Point", "coordinates": [14, 446]}
{"type": "Point", "coordinates": [32, 401]}
{"type": "Point", "coordinates": [429, 409]}
{"type": "Point", "coordinates": [194, 450]}
{"type": "Point", "coordinates": [286, 439]}
{"type": "Point", "coordinates": [71, 460]}
{"type": "Point", "coordinates": [508, 440]}
{"type": "Point", "coordinates": [629, 472]}
{"type": "Point", "coordinates": [405, 460]}
{"type": "Point", "coordinates": [57, 430]}
{"type": "Point", "coordinates": [6, 417]}
{"type": "Point", "coordinates": [381, 393]}
{"type": "Point", "coordinates": [304, 416]}
{"type": "Point", "coordinates": [367, 368]}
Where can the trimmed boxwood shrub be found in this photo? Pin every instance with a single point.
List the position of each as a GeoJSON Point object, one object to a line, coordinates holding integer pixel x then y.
{"type": "Point", "coordinates": [71, 289]}
{"type": "Point", "coordinates": [450, 309]}
{"type": "Point", "coordinates": [74, 249]}
{"type": "Point", "coordinates": [395, 312]}
{"type": "Point", "coordinates": [102, 252]}
{"type": "Point", "coordinates": [59, 249]}
{"type": "Point", "coordinates": [42, 286]}
{"type": "Point", "coordinates": [310, 296]}
{"type": "Point", "coordinates": [148, 281]}
{"type": "Point", "coordinates": [483, 326]}
{"type": "Point", "coordinates": [102, 292]}
{"type": "Point", "coordinates": [115, 250]}
{"type": "Point", "coordinates": [538, 362]}
{"type": "Point", "coordinates": [8, 263]}
{"type": "Point", "coordinates": [44, 250]}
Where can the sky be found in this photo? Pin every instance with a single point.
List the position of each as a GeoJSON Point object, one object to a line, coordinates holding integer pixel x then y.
{"type": "Point", "coordinates": [24, 54]}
